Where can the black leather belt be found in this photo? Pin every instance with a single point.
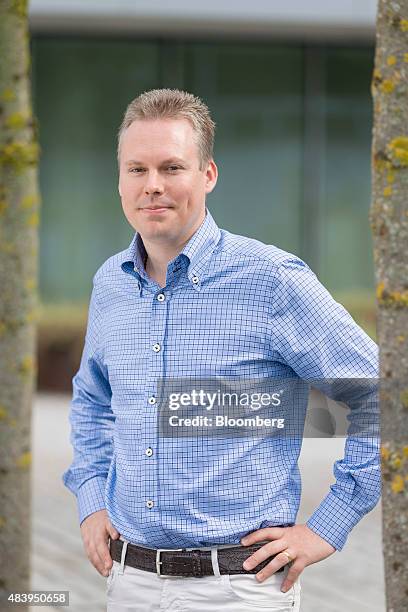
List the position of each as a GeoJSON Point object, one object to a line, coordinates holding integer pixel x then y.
{"type": "Point", "coordinates": [188, 563]}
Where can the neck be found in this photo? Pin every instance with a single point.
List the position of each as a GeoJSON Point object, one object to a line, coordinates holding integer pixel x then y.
{"type": "Point", "coordinates": [157, 260]}
{"type": "Point", "coordinates": [160, 254]}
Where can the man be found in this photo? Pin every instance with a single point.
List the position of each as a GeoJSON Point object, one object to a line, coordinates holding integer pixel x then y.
{"type": "Point", "coordinates": [187, 299]}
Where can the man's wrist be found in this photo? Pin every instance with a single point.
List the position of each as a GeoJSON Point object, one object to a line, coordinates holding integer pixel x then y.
{"type": "Point", "coordinates": [91, 497]}
{"type": "Point", "coordinates": [333, 520]}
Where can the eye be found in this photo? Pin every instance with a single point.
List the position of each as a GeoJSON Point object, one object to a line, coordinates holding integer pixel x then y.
{"type": "Point", "coordinates": [136, 170]}
{"type": "Point", "coordinates": [174, 168]}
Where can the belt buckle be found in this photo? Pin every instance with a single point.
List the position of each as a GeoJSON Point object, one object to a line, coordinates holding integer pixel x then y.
{"type": "Point", "coordinates": [159, 563]}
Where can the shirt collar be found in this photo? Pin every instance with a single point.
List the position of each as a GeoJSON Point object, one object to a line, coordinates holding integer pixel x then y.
{"type": "Point", "coordinates": [198, 251]}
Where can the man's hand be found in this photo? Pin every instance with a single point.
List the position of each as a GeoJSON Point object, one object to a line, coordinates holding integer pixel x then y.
{"type": "Point", "coordinates": [302, 544]}
{"type": "Point", "coordinates": [96, 530]}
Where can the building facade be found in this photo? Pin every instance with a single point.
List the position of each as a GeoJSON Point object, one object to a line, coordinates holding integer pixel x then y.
{"type": "Point", "coordinates": [289, 89]}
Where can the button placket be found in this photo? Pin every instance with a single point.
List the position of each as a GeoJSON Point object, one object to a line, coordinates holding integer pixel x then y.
{"type": "Point", "coordinates": [158, 323]}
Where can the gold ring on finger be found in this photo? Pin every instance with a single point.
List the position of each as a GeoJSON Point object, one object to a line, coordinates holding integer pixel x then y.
{"type": "Point", "coordinates": [285, 552]}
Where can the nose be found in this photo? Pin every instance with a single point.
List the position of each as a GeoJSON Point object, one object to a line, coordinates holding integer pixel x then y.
{"type": "Point", "coordinates": [153, 185]}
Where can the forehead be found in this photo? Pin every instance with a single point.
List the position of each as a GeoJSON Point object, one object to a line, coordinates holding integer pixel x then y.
{"type": "Point", "coordinates": [159, 137]}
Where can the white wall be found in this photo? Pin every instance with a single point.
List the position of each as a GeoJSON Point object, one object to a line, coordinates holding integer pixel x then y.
{"type": "Point", "coordinates": [321, 19]}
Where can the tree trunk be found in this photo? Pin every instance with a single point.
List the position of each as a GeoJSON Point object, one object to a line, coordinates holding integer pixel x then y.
{"type": "Point", "coordinates": [389, 221]}
{"type": "Point", "coordinates": [19, 206]}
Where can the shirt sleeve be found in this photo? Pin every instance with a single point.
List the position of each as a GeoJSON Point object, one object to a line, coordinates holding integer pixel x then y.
{"type": "Point", "coordinates": [92, 422]}
{"type": "Point", "coordinates": [320, 341]}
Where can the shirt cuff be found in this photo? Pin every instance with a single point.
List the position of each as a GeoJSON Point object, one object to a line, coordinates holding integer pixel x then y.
{"type": "Point", "coordinates": [91, 497]}
{"type": "Point", "coordinates": [333, 520]}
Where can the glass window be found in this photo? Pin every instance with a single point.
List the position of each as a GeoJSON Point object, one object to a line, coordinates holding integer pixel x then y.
{"type": "Point", "coordinates": [293, 144]}
{"type": "Point", "coordinates": [81, 90]}
{"type": "Point", "coordinates": [346, 260]}
{"type": "Point", "coordinates": [255, 94]}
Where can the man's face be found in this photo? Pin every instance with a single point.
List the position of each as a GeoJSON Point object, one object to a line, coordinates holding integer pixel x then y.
{"type": "Point", "coordinates": [160, 182]}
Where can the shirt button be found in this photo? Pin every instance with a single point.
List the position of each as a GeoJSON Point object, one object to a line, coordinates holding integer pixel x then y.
{"type": "Point", "coordinates": [152, 400]}
{"type": "Point", "coordinates": [156, 347]}
{"type": "Point", "coordinates": [161, 297]}
{"type": "Point", "coordinates": [195, 279]}
{"type": "Point", "coordinates": [149, 452]}
{"type": "Point", "coordinates": [149, 503]}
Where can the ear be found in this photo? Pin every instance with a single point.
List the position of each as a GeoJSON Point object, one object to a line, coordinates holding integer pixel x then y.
{"type": "Point", "coordinates": [211, 175]}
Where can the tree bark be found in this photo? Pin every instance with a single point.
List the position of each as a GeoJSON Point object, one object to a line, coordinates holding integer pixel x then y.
{"type": "Point", "coordinates": [389, 221]}
{"type": "Point", "coordinates": [19, 215]}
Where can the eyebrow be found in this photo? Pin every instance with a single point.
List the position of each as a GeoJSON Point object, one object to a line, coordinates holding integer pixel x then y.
{"type": "Point", "coordinates": [171, 160]}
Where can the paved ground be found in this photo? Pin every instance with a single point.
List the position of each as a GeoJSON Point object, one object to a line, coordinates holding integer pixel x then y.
{"type": "Point", "coordinates": [350, 581]}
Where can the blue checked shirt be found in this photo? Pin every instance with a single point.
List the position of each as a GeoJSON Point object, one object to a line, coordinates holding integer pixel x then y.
{"type": "Point", "coordinates": [232, 306]}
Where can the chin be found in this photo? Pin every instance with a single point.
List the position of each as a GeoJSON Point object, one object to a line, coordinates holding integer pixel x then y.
{"type": "Point", "coordinates": [156, 231]}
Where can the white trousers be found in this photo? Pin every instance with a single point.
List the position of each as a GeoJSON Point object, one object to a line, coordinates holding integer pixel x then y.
{"type": "Point", "coordinates": [132, 590]}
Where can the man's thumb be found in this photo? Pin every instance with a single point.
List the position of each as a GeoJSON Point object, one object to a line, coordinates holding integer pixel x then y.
{"type": "Point", "coordinates": [114, 533]}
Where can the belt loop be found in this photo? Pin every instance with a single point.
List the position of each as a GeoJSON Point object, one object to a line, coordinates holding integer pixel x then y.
{"type": "Point", "coordinates": [214, 561]}
{"type": "Point", "coordinates": [122, 558]}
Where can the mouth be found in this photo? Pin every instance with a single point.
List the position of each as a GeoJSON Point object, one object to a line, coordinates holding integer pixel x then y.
{"type": "Point", "coordinates": [155, 210]}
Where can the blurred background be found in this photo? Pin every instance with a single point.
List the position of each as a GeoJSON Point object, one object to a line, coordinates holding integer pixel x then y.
{"type": "Point", "coordinates": [288, 84]}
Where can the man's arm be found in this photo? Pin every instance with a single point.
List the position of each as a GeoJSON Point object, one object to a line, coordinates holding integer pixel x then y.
{"type": "Point", "coordinates": [92, 422]}
{"type": "Point", "coordinates": [318, 339]}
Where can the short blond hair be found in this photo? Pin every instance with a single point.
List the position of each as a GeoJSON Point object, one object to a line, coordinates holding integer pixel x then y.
{"type": "Point", "coordinates": [173, 104]}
